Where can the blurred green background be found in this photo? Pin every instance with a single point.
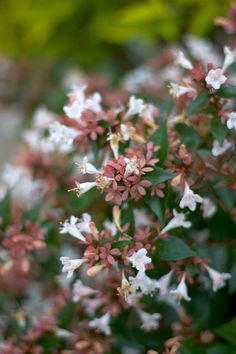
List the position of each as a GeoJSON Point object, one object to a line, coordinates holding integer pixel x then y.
{"type": "Point", "coordinates": [91, 32]}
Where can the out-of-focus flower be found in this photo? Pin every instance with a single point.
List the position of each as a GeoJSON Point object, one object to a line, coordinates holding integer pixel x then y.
{"type": "Point", "coordinates": [139, 259]}
{"type": "Point", "coordinates": [189, 199]}
{"type": "Point", "coordinates": [43, 118]}
{"type": "Point", "coordinates": [178, 220]}
{"type": "Point", "coordinates": [208, 208]}
{"type": "Point", "coordinates": [164, 283]}
{"type": "Point", "coordinates": [215, 78]}
{"type": "Point", "coordinates": [176, 90]}
{"type": "Point", "coordinates": [182, 61]}
{"type": "Point", "coordinates": [80, 290]}
{"type": "Point", "coordinates": [62, 136]}
{"type": "Point", "coordinates": [230, 57]}
{"type": "Point", "coordinates": [150, 322]}
{"type": "Point", "coordinates": [218, 279]}
{"type": "Point", "coordinates": [231, 122]}
{"type": "Point", "coordinates": [181, 291]}
{"type": "Point", "coordinates": [70, 265]}
{"type": "Point", "coordinates": [218, 149]}
{"type": "Point", "coordinates": [135, 106]}
{"type": "Point", "coordinates": [102, 324]}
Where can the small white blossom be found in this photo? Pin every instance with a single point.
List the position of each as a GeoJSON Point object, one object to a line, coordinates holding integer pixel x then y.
{"type": "Point", "coordinates": [109, 225]}
{"type": "Point", "coordinates": [82, 188]}
{"type": "Point", "coordinates": [215, 78]}
{"type": "Point", "coordinates": [102, 324]}
{"type": "Point", "coordinates": [202, 50]}
{"type": "Point", "coordinates": [84, 223]}
{"type": "Point", "coordinates": [208, 208]}
{"type": "Point", "coordinates": [62, 136]}
{"type": "Point", "coordinates": [189, 199]}
{"type": "Point", "coordinates": [182, 61]}
{"type": "Point", "coordinates": [181, 291]}
{"type": "Point", "coordinates": [176, 90]}
{"type": "Point", "coordinates": [139, 259]}
{"type": "Point", "coordinates": [142, 282]}
{"type": "Point", "coordinates": [80, 290]}
{"type": "Point", "coordinates": [164, 283]}
{"type": "Point", "coordinates": [71, 227]}
{"type": "Point", "coordinates": [70, 265]}
{"type": "Point", "coordinates": [141, 218]}
{"type": "Point", "coordinates": [218, 149]}
{"type": "Point", "coordinates": [135, 106]}
{"type": "Point", "coordinates": [131, 166]}
{"type": "Point", "coordinates": [231, 122]}
{"type": "Point", "coordinates": [178, 220]}
{"type": "Point", "coordinates": [80, 103]}
{"type": "Point", "coordinates": [230, 56]}
{"type": "Point", "coordinates": [218, 279]}
{"type": "Point", "coordinates": [150, 321]}
{"type": "Point", "coordinates": [138, 78]}
{"type": "Point", "coordinates": [114, 143]}
{"type": "Point", "coordinates": [43, 118]}
{"type": "Point", "coordinates": [87, 167]}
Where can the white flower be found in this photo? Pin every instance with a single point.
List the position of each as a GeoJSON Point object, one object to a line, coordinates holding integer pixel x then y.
{"type": "Point", "coordinates": [218, 279]}
{"type": "Point", "coordinates": [181, 291]}
{"type": "Point", "coordinates": [218, 149]}
{"type": "Point", "coordinates": [178, 90]}
{"type": "Point", "coordinates": [230, 56]}
{"type": "Point", "coordinates": [178, 220]}
{"type": "Point", "coordinates": [82, 188]}
{"type": "Point", "coordinates": [139, 259]}
{"type": "Point", "coordinates": [202, 50]}
{"type": "Point", "coordinates": [84, 223]}
{"type": "Point", "coordinates": [71, 227]}
{"type": "Point", "coordinates": [135, 106]}
{"type": "Point", "coordinates": [137, 78]}
{"type": "Point", "coordinates": [215, 78]}
{"type": "Point", "coordinates": [164, 283]}
{"type": "Point", "coordinates": [80, 103]}
{"type": "Point", "coordinates": [182, 61]}
{"type": "Point", "coordinates": [189, 199]}
{"type": "Point", "coordinates": [144, 283]}
{"type": "Point", "coordinates": [114, 143]}
{"type": "Point", "coordinates": [124, 130]}
{"type": "Point", "coordinates": [231, 122]}
{"type": "Point", "coordinates": [87, 167]}
{"type": "Point", "coordinates": [43, 118]}
{"type": "Point", "coordinates": [109, 225]}
{"type": "Point", "coordinates": [150, 321]}
{"type": "Point", "coordinates": [62, 136]}
{"type": "Point", "coordinates": [131, 166]}
{"type": "Point", "coordinates": [141, 218]}
{"type": "Point", "coordinates": [70, 265]}
{"type": "Point", "coordinates": [80, 290]}
{"type": "Point", "coordinates": [208, 208]}
{"type": "Point", "coordinates": [102, 324]}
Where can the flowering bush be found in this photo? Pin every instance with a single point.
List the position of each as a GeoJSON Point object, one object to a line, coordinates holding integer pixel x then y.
{"type": "Point", "coordinates": [131, 194]}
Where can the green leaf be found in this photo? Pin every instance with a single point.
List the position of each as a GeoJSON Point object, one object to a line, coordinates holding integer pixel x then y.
{"type": "Point", "coordinates": [159, 175]}
{"type": "Point", "coordinates": [120, 244]}
{"type": "Point", "coordinates": [188, 136]}
{"type": "Point", "coordinates": [160, 138]}
{"type": "Point", "coordinates": [199, 103]}
{"type": "Point", "coordinates": [219, 130]}
{"type": "Point", "coordinates": [5, 210]}
{"type": "Point", "coordinates": [228, 331]}
{"type": "Point", "coordinates": [157, 205]}
{"type": "Point", "coordinates": [227, 92]}
{"type": "Point", "coordinates": [221, 349]}
{"type": "Point", "coordinates": [173, 249]}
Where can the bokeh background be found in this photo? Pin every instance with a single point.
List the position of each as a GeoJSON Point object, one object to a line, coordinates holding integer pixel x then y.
{"type": "Point", "coordinates": [42, 41]}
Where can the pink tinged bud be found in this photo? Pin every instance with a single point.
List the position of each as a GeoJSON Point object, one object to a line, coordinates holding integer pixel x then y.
{"type": "Point", "coordinates": [218, 279]}
{"type": "Point", "coordinates": [91, 272]}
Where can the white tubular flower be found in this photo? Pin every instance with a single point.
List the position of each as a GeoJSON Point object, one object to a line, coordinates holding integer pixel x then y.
{"type": "Point", "coordinates": [218, 149]}
{"type": "Point", "coordinates": [70, 265]}
{"type": "Point", "coordinates": [43, 118]}
{"type": "Point", "coordinates": [218, 279]}
{"type": "Point", "coordinates": [82, 188]}
{"type": "Point", "coordinates": [230, 56]}
{"type": "Point", "coordinates": [102, 324]}
{"type": "Point", "coordinates": [125, 133]}
{"type": "Point", "coordinates": [181, 291]}
{"type": "Point", "coordinates": [80, 290]}
{"type": "Point", "coordinates": [84, 223]}
{"type": "Point", "coordinates": [80, 103]}
{"type": "Point", "coordinates": [231, 122]}
{"type": "Point", "coordinates": [150, 322]}
{"type": "Point", "coordinates": [208, 208]}
{"type": "Point", "coordinates": [144, 283]}
{"type": "Point", "coordinates": [70, 226]}
{"type": "Point", "coordinates": [176, 90]}
{"type": "Point", "coordinates": [114, 143]}
{"type": "Point", "coordinates": [139, 259]}
{"type": "Point", "coordinates": [189, 199]}
{"type": "Point", "coordinates": [178, 220]}
{"type": "Point", "coordinates": [182, 61]}
{"type": "Point", "coordinates": [62, 136]}
{"type": "Point", "coordinates": [131, 166]}
{"type": "Point", "coordinates": [135, 106]}
{"type": "Point", "coordinates": [164, 283]}
{"type": "Point", "coordinates": [215, 78]}
{"type": "Point", "coordinates": [87, 167]}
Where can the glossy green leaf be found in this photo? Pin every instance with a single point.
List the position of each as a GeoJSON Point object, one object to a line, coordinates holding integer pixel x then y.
{"type": "Point", "coordinates": [160, 138]}
{"type": "Point", "coordinates": [173, 249]}
{"type": "Point", "coordinates": [219, 130]}
{"type": "Point", "coordinates": [159, 175]}
{"type": "Point", "coordinates": [228, 331]}
{"type": "Point", "coordinates": [199, 103]}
